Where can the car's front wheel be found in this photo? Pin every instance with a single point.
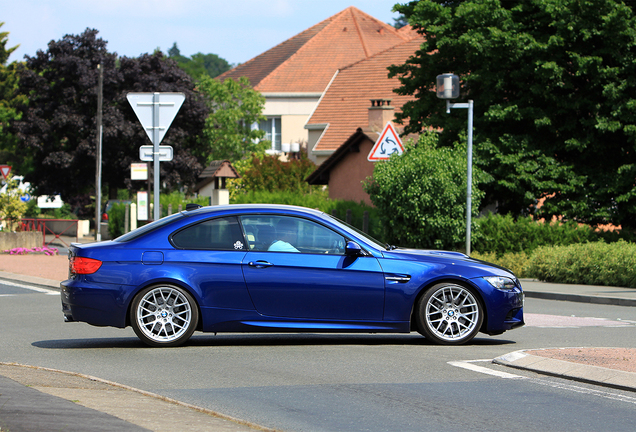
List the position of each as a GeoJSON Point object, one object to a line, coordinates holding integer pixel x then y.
{"type": "Point", "coordinates": [164, 315]}
{"type": "Point", "coordinates": [449, 314]}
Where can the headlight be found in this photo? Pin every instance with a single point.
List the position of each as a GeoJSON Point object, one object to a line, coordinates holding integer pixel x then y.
{"type": "Point", "coordinates": [501, 283]}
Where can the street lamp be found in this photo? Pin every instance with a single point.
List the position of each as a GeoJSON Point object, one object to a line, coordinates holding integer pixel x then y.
{"type": "Point", "coordinates": [448, 88]}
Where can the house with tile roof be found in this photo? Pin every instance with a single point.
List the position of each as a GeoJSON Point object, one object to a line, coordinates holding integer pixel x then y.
{"type": "Point", "coordinates": [294, 74]}
{"type": "Point", "coordinates": [349, 118]}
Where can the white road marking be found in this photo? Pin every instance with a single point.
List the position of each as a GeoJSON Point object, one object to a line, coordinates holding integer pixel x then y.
{"type": "Point", "coordinates": [468, 364]}
{"type": "Point", "coordinates": [30, 287]}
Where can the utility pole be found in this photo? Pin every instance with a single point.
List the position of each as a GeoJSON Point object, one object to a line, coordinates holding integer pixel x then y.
{"type": "Point", "coordinates": [98, 157]}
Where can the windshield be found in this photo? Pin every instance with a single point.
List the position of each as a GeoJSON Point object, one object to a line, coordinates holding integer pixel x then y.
{"type": "Point", "coordinates": [373, 242]}
{"type": "Point", "coordinates": [149, 227]}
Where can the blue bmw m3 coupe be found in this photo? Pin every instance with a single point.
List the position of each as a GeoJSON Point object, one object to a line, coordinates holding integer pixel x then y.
{"type": "Point", "coordinates": [275, 268]}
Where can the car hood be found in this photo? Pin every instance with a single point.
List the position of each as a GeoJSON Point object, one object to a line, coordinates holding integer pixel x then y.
{"type": "Point", "coordinates": [418, 254]}
{"type": "Point", "coordinates": [440, 255]}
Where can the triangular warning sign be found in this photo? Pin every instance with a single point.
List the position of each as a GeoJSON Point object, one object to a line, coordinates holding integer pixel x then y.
{"type": "Point", "coordinates": [389, 143]}
{"type": "Point", "coordinates": [5, 169]}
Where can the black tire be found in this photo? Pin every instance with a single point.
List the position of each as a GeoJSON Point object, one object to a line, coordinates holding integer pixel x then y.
{"type": "Point", "coordinates": [164, 315]}
{"type": "Point", "coordinates": [449, 314]}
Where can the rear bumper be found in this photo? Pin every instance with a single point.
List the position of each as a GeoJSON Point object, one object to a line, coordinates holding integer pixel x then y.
{"type": "Point", "coordinates": [95, 305]}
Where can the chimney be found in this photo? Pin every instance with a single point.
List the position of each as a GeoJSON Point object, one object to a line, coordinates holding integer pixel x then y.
{"type": "Point", "coordinates": [380, 113]}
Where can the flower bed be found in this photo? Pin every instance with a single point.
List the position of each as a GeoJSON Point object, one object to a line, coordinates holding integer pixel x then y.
{"type": "Point", "coordinates": [36, 250]}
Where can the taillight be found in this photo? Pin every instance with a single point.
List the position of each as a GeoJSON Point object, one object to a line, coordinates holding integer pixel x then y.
{"type": "Point", "coordinates": [81, 265]}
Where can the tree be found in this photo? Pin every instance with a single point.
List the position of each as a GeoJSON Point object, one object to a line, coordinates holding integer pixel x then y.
{"type": "Point", "coordinates": [234, 107]}
{"type": "Point", "coordinates": [199, 64]}
{"type": "Point", "coordinates": [269, 173]}
{"type": "Point", "coordinates": [554, 86]}
{"type": "Point", "coordinates": [400, 22]}
{"type": "Point", "coordinates": [9, 100]}
{"type": "Point", "coordinates": [12, 208]}
{"type": "Point", "coordinates": [58, 126]}
{"type": "Point", "coordinates": [156, 73]}
{"type": "Point", "coordinates": [422, 194]}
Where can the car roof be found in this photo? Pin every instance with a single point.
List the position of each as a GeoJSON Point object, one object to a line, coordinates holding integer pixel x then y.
{"type": "Point", "coordinates": [234, 208]}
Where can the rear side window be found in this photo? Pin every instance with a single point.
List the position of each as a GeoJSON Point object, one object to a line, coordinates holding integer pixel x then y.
{"type": "Point", "coordinates": [213, 234]}
{"type": "Point", "coordinates": [150, 227]}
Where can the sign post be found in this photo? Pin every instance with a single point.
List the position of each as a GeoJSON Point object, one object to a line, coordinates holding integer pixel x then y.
{"type": "Point", "coordinates": [156, 111]}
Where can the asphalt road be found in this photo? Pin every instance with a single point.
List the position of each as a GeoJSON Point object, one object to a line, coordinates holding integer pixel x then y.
{"type": "Point", "coordinates": [341, 382]}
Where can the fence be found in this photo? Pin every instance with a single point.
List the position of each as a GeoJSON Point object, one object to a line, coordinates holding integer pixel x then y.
{"type": "Point", "coordinates": [58, 232]}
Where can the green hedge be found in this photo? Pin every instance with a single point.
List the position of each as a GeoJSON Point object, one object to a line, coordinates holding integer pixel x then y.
{"type": "Point", "coordinates": [596, 263]}
{"type": "Point", "coordinates": [503, 234]}
{"type": "Point", "coordinates": [516, 262]}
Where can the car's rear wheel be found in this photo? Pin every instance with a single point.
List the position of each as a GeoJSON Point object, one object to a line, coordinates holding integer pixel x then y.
{"type": "Point", "coordinates": [164, 315]}
{"type": "Point", "coordinates": [449, 314]}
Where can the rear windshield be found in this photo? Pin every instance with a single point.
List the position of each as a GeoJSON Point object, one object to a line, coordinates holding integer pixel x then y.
{"type": "Point", "coordinates": [150, 227]}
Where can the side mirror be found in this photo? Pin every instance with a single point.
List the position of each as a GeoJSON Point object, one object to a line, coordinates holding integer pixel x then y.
{"type": "Point", "coordinates": [353, 249]}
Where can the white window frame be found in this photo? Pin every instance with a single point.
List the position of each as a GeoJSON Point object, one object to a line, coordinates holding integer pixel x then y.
{"type": "Point", "coordinates": [272, 133]}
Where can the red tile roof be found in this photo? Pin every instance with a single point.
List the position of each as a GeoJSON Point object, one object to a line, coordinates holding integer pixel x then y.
{"type": "Point", "coordinates": [344, 106]}
{"type": "Point", "coordinates": [306, 62]}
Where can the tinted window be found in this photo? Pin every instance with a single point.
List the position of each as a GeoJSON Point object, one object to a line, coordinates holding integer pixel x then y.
{"type": "Point", "coordinates": [290, 234]}
{"type": "Point", "coordinates": [217, 234]}
{"type": "Point", "coordinates": [149, 227]}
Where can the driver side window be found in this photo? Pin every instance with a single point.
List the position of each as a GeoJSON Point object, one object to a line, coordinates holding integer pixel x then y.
{"type": "Point", "coordinates": [290, 234]}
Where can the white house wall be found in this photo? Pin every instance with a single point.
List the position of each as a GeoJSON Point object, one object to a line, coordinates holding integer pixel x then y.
{"type": "Point", "coordinates": [294, 111]}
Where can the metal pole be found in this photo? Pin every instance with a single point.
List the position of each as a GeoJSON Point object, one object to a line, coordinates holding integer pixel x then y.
{"type": "Point", "coordinates": [155, 156]}
{"type": "Point", "coordinates": [469, 173]}
{"type": "Point", "coordinates": [469, 176]}
{"type": "Point", "coordinates": [98, 157]}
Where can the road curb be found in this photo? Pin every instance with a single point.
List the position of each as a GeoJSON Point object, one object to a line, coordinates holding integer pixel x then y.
{"type": "Point", "coordinates": [31, 280]}
{"type": "Point", "coordinates": [614, 301]}
{"type": "Point", "coordinates": [127, 403]}
{"type": "Point", "coordinates": [574, 371]}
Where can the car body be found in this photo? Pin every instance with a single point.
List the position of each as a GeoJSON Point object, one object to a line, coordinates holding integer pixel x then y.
{"type": "Point", "coordinates": [216, 269]}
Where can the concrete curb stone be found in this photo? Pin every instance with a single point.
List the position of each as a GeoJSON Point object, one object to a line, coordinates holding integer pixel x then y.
{"type": "Point", "coordinates": [574, 371]}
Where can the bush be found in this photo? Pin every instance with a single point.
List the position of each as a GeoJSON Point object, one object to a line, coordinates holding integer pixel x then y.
{"type": "Point", "coordinates": [516, 262]}
{"type": "Point", "coordinates": [596, 263]}
{"type": "Point", "coordinates": [12, 208]}
{"type": "Point", "coordinates": [177, 199]}
{"type": "Point", "coordinates": [116, 219]}
{"type": "Point", "coordinates": [503, 234]}
{"type": "Point", "coordinates": [269, 173]}
{"type": "Point", "coordinates": [421, 195]}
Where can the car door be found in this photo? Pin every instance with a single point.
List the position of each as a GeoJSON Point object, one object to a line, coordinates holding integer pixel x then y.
{"type": "Point", "coordinates": [308, 276]}
{"type": "Point", "coordinates": [209, 255]}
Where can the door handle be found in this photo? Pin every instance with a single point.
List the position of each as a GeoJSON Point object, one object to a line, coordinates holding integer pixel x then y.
{"type": "Point", "coordinates": [260, 264]}
{"type": "Point", "coordinates": [400, 278]}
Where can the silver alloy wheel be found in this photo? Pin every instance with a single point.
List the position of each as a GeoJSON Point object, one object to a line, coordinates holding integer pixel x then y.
{"type": "Point", "coordinates": [452, 313]}
{"type": "Point", "coordinates": [164, 314]}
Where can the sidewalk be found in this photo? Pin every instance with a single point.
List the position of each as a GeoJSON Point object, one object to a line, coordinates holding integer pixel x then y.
{"type": "Point", "coordinates": [82, 402]}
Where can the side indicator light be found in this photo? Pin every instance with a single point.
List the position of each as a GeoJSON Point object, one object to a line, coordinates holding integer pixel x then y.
{"type": "Point", "coordinates": [81, 265]}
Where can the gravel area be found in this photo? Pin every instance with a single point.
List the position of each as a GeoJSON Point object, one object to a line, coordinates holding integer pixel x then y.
{"type": "Point", "coordinates": [613, 358]}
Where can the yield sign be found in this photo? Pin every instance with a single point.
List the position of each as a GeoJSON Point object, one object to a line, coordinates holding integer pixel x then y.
{"type": "Point", "coordinates": [389, 143]}
{"type": "Point", "coordinates": [5, 169]}
{"type": "Point", "coordinates": [144, 106]}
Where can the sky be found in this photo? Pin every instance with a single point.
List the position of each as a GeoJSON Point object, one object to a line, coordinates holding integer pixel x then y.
{"type": "Point", "coordinates": [236, 30]}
